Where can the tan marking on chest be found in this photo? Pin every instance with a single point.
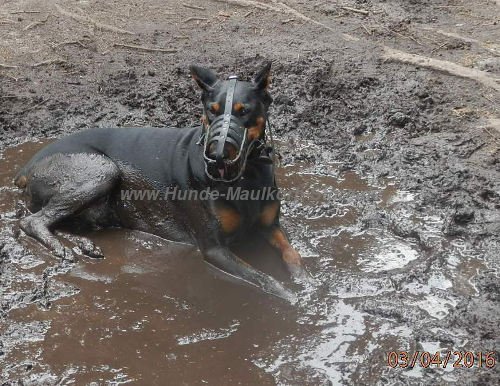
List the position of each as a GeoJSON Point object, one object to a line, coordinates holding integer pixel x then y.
{"type": "Point", "coordinates": [229, 219]}
{"type": "Point", "coordinates": [269, 213]}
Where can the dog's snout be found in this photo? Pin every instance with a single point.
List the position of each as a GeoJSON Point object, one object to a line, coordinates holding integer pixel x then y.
{"type": "Point", "coordinates": [229, 152]}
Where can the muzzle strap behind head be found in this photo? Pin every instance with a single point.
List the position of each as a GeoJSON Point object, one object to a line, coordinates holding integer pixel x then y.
{"type": "Point", "coordinates": [228, 109]}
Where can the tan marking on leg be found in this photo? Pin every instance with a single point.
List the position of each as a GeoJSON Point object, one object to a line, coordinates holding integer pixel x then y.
{"type": "Point", "coordinates": [269, 213]}
{"type": "Point", "coordinates": [255, 132]}
{"type": "Point", "coordinates": [292, 257]}
{"type": "Point", "coordinates": [289, 254]}
{"type": "Point", "coordinates": [229, 219]}
{"type": "Point", "coordinates": [21, 182]}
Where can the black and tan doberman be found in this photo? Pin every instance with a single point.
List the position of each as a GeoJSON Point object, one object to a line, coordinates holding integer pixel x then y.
{"type": "Point", "coordinates": [83, 177]}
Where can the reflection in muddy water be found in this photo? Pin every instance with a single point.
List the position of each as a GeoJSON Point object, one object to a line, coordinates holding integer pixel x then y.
{"type": "Point", "coordinates": [152, 312]}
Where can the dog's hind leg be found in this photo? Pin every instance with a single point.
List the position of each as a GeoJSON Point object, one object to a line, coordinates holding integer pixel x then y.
{"type": "Point", "coordinates": [37, 226]}
{"type": "Point", "coordinates": [62, 185]}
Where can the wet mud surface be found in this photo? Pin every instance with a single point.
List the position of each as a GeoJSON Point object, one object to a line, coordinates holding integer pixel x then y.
{"type": "Point", "coordinates": [392, 194]}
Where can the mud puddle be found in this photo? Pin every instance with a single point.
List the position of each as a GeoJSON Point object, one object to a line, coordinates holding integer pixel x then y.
{"type": "Point", "coordinates": [152, 312]}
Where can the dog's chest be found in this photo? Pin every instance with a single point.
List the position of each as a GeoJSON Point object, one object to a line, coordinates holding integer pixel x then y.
{"type": "Point", "coordinates": [244, 210]}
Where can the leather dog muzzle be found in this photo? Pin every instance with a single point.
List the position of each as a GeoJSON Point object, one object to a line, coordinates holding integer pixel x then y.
{"type": "Point", "coordinates": [226, 128]}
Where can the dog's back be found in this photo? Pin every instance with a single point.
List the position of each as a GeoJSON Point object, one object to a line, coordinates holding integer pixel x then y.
{"type": "Point", "coordinates": [160, 154]}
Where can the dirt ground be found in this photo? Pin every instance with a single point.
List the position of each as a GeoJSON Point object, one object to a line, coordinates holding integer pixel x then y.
{"type": "Point", "coordinates": [410, 147]}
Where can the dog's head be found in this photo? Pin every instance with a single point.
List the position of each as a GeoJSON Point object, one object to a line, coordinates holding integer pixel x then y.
{"type": "Point", "coordinates": [234, 119]}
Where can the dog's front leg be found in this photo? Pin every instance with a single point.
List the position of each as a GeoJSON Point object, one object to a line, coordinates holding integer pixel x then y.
{"type": "Point", "coordinates": [222, 258]}
{"type": "Point", "coordinates": [278, 239]}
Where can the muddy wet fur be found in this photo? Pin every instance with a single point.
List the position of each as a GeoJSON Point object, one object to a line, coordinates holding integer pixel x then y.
{"type": "Point", "coordinates": [82, 175]}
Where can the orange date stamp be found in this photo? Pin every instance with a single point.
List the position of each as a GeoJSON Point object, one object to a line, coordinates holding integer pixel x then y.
{"type": "Point", "coordinates": [453, 359]}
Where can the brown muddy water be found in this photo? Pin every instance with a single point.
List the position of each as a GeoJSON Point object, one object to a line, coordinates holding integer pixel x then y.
{"type": "Point", "coordinates": [152, 312]}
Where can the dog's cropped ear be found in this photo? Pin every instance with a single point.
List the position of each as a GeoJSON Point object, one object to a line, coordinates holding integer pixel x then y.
{"type": "Point", "coordinates": [263, 78]}
{"type": "Point", "coordinates": [204, 77]}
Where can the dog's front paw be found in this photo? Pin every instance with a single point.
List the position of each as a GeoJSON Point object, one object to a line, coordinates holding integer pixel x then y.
{"type": "Point", "coordinates": [296, 267]}
{"type": "Point", "coordinates": [301, 276]}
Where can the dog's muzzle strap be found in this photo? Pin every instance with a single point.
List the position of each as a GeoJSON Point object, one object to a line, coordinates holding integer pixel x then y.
{"type": "Point", "coordinates": [228, 109]}
{"type": "Point", "coordinates": [227, 128]}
